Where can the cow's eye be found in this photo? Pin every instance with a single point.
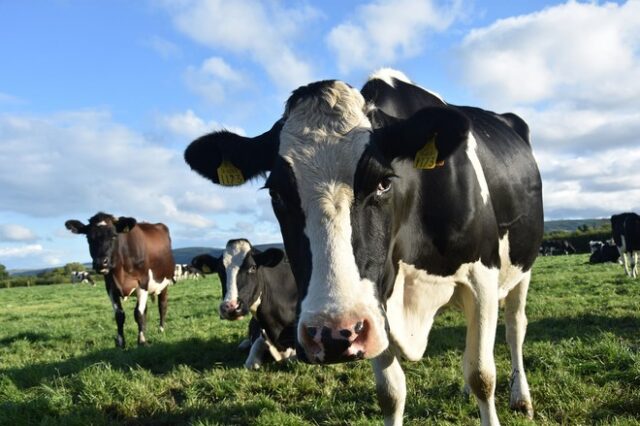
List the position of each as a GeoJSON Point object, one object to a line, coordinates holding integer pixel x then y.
{"type": "Point", "coordinates": [252, 269]}
{"type": "Point", "coordinates": [383, 186]}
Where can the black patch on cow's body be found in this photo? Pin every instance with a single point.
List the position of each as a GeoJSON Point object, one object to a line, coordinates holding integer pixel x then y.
{"type": "Point", "coordinates": [627, 225]}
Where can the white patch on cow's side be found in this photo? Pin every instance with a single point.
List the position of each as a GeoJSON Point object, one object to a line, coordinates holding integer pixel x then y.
{"type": "Point", "coordinates": [472, 153]}
{"type": "Point", "coordinates": [142, 296]}
{"type": "Point", "coordinates": [323, 140]}
{"type": "Point", "coordinates": [232, 259]}
{"type": "Point", "coordinates": [155, 287]}
{"type": "Point", "coordinates": [388, 75]}
{"type": "Point", "coordinates": [417, 297]}
{"type": "Point", "coordinates": [254, 308]}
{"type": "Point", "coordinates": [510, 275]}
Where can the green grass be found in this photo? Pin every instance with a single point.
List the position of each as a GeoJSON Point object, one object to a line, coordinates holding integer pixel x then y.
{"type": "Point", "coordinates": [59, 364]}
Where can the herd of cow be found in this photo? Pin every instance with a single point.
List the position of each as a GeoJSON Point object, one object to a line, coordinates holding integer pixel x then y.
{"type": "Point", "coordinates": [392, 204]}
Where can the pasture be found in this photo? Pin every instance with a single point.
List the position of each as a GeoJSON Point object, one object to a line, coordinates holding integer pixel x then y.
{"type": "Point", "coordinates": [59, 364]}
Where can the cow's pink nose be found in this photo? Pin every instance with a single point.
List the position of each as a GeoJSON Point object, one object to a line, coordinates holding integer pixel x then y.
{"type": "Point", "coordinates": [331, 344]}
{"type": "Point", "coordinates": [229, 309]}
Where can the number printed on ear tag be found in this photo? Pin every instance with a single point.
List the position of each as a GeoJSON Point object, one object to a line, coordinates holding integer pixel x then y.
{"type": "Point", "coordinates": [427, 156]}
{"type": "Point", "coordinates": [229, 175]}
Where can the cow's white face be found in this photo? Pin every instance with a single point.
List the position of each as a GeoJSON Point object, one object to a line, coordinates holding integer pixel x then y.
{"type": "Point", "coordinates": [322, 141]}
{"type": "Point", "coordinates": [232, 260]}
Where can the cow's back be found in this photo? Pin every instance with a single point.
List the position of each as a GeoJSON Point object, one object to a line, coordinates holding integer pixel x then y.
{"type": "Point", "coordinates": [149, 247]}
{"type": "Point", "coordinates": [513, 180]}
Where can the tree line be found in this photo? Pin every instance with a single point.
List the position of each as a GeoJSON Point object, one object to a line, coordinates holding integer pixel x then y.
{"type": "Point", "coordinates": [60, 275]}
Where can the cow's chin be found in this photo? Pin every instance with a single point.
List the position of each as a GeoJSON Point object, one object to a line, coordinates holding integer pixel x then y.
{"type": "Point", "coordinates": [232, 316]}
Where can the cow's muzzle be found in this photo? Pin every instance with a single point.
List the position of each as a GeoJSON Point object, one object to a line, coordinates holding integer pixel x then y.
{"type": "Point", "coordinates": [333, 344]}
{"type": "Point", "coordinates": [232, 310]}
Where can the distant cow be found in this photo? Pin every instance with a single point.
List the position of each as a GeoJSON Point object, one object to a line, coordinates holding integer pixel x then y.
{"type": "Point", "coordinates": [132, 256]}
{"type": "Point", "coordinates": [81, 277]}
{"type": "Point", "coordinates": [393, 204]}
{"type": "Point", "coordinates": [625, 228]}
{"type": "Point", "coordinates": [602, 252]}
{"type": "Point", "coordinates": [185, 271]}
{"type": "Point", "coordinates": [260, 283]}
{"type": "Point", "coordinates": [556, 247]}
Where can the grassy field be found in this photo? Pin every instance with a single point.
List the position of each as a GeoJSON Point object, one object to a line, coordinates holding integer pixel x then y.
{"type": "Point", "coordinates": [59, 365]}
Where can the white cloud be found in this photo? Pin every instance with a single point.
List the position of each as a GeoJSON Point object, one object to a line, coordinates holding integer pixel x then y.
{"type": "Point", "coordinates": [384, 31]}
{"type": "Point", "coordinates": [266, 31]}
{"type": "Point", "coordinates": [78, 163]}
{"type": "Point", "coordinates": [6, 98]}
{"type": "Point", "coordinates": [572, 71]}
{"type": "Point", "coordinates": [13, 232]}
{"type": "Point", "coordinates": [21, 251]}
{"type": "Point", "coordinates": [577, 52]}
{"type": "Point", "coordinates": [189, 126]}
{"type": "Point", "coordinates": [212, 79]}
{"type": "Point", "coordinates": [165, 48]}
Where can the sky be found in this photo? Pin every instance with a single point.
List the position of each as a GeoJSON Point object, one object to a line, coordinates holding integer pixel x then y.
{"type": "Point", "coordinates": [99, 99]}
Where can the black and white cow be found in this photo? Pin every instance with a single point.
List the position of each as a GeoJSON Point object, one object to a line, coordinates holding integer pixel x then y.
{"type": "Point", "coordinates": [625, 228]}
{"type": "Point", "coordinates": [602, 252]}
{"type": "Point", "coordinates": [81, 277]}
{"type": "Point", "coordinates": [260, 283]}
{"type": "Point", "coordinates": [393, 204]}
{"type": "Point", "coordinates": [184, 271]}
{"type": "Point", "coordinates": [556, 247]}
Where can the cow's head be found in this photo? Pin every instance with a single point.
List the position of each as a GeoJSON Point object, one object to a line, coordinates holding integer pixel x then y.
{"type": "Point", "coordinates": [102, 235]}
{"type": "Point", "coordinates": [340, 190]}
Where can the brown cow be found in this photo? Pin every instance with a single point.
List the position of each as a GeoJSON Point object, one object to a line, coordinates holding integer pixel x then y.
{"type": "Point", "coordinates": [132, 257]}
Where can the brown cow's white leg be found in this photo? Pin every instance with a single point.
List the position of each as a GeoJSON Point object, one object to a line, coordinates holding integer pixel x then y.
{"type": "Point", "coordinates": [480, 303]}
{"type": "Point", "coordinates": [516, 328]}
{"type": "Point", "coordinates": [390, 386]}
{"type": "Point", "coordinates": [140, 313]}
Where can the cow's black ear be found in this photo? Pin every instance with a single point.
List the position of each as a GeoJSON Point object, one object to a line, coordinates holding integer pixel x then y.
{"type": "Point", "coordinates": [125, 224]}
{"type": "Point", "coordinates": [431, 132]}
{"type": "Point", "coordinates": [230, 159]}
{"type": "Point", "coordinates": [76, 226]}
{"type": "Point", "coordinates": [269, 258]}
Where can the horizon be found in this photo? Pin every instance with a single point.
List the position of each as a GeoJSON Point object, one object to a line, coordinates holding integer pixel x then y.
{"type": "Point", "coordinates": [98, 101]}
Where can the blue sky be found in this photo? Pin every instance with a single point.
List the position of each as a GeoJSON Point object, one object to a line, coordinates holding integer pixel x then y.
{"type": "Point", "coordinates": [98, 100]}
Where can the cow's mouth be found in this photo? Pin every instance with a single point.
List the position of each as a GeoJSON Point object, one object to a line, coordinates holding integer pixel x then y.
{"type": "Point", "coordinates": [235, 314]}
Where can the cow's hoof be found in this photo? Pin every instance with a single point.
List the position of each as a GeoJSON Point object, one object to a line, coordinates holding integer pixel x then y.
{"type": "Point", "coordinates": [523, 407]}
{"type": "Point", "coordinates": [119, 342]}
{"type": "Point", "coordinates": [143, 343]}
{"type": "Point", "coordinates": [161, 329]}
{"type": "Point", "coordinates": [252, 366]}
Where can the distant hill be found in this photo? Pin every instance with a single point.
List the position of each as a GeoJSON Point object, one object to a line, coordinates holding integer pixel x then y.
{"type": "Point", "coordinates": [573, 224]}
{"type": "Point", "coordinates": [180, 255]}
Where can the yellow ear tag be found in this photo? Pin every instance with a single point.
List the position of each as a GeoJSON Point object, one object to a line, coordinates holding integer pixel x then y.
{"type": "Point", "coordinates": [229, 175]}
{"type": "Point", "coordinates": [206, 269]}
{"type": "Point", "coordinates": [126, 229]}
{"type": "Point", "coordinates": [427, 156]}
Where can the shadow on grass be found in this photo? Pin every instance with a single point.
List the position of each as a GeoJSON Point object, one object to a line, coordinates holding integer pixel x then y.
{"type": "Point", "coordinates": [158, 358]}
{"type": "Point", "coordinates": [587, 326]}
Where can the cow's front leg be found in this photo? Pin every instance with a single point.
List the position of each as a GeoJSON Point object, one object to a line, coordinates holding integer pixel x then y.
{"type": "Point", "coordinates": [140, 313]}
{"type": "Point", "coordinates": [480, 305]}
{"type": "Point", "coordinates": [254, 360]}
{"type": "Point", "coordinates": [116, 303]}
{"type": "Point", "coordinates": [163, 302]}
{"type": "Point", "coordinates": [516, 328]}
{"type": "Point", "coordinates": [390, 387]}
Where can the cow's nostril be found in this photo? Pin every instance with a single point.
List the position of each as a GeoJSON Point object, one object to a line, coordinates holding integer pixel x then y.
{"type": "Point", "coordinates": [345, 333]}
{"type": "Point", "coordinates": [312, 331]}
